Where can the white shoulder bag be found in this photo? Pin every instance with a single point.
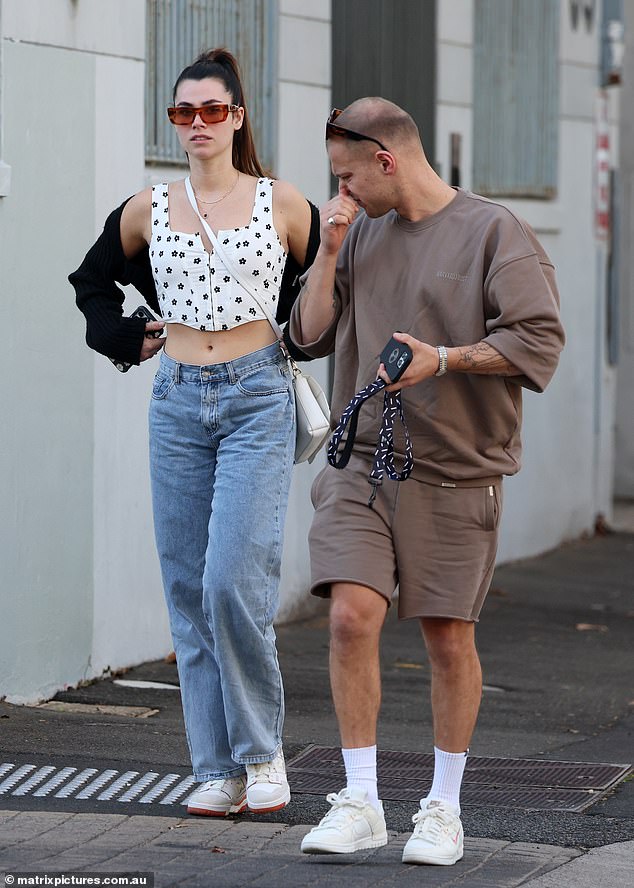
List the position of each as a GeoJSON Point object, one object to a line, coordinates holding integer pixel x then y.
{"type": "Point", "coordinates": [311, 406]}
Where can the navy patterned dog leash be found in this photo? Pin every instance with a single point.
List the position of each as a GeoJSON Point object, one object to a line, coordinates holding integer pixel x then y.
{"type": "Point", "coordinates": [384, 453]}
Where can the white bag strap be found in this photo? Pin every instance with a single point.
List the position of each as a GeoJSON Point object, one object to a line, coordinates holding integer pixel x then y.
{"type": "Point", "coordinates": [237, 274]}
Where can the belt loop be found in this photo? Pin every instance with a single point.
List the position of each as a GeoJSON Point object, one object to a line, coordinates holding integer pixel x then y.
{"type": "Point", "coordinates": [231, 372]}
{"type": "Point", "coordinates": [177, 374]}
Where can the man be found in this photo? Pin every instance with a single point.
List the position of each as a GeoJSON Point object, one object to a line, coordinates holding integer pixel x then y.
{"type": "Point", "coordinates": [475, 297]}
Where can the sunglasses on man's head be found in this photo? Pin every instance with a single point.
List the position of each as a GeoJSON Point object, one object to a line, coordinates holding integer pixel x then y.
{"type": "Point", "coordinates": [182, 115]}
{"type": "Point", "coordinates": [334, 129]}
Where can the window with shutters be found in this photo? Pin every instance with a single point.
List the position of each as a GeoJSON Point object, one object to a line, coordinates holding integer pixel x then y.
{"type": "Point", "coordinates": [516, 97]}
{"type": "Point", "coordinates": [177, 31]}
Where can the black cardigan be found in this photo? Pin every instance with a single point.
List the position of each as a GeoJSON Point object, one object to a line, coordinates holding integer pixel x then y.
{"type": "Point", "coordinates": [101, 301]}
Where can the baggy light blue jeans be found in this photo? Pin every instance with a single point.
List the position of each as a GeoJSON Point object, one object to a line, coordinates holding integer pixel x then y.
{"type": "Point", "coordinates": [222, 441]}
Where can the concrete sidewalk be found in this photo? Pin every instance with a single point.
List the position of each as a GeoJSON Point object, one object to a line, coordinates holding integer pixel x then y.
{"type": "Point", "coordinates": [240, 853]}
{"type": "Point", "coordinates": [555, 641]}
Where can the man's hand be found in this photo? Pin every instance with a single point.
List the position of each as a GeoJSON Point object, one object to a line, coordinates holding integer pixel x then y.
{"type": "Point", "coordinates": [479, 358]}
{"type": "Point", "coordinates": [424, 363]}
{"type": "Point", "coordinates": [342, 210]}
{"type": "Point", "coordinates": [151, 345]}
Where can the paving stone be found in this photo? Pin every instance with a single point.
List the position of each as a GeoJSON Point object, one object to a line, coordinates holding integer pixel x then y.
{"type": "Point", "coordinates": [250, 837]}
{"type": "Point", "coordinates": [612, 862]}
{"type": "Point", "coordinates": [30, 824]}
{"type": "Point", "coordinates": [195, 830]}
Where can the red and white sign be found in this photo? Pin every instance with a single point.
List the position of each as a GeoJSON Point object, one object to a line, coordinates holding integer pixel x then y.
{"type": "Point", "coordinates": [602, 169]}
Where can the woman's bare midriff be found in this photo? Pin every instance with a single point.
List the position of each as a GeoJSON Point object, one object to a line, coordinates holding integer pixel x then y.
{"type": "Point", "coordinates": [200, 347]}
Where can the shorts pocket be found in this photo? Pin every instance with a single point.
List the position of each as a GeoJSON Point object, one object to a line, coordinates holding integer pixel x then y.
{"type": "Point", "coordinates": [162, 385]}
{"type": "Point", "coordinates": [492, 507]}
{"type": "Point", "coordinates": [268, 379]}
{"type": "Point", "coordinates": [313, 488]}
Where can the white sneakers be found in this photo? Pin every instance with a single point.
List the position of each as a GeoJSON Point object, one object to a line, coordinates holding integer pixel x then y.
{"type": "Point", "coordinates": [352, 824]}
{"type": "Point", "coordinates": [263, 788]}
{"type": "Point", "coordinates": [267, 786]}
{"type": "Point", "coordinates": [219, 798]}
{"type": "Point", "coordinates": [437, 838]}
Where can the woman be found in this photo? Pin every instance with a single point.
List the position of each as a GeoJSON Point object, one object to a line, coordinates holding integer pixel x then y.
{"type": "Point", "coordinates": [222, 418]}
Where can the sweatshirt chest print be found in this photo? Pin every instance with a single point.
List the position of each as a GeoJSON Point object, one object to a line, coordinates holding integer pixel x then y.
{"type": "Point", "coordinates": [452, 276]}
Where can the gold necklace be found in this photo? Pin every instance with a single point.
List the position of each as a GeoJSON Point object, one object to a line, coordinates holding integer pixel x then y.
{"type": "Point", "coordinates": [217, 201]}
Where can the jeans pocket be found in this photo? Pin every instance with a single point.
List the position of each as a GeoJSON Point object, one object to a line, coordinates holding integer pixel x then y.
{"type": "Point", "coordinates": [162, 385]}
{"type": "Point", "coordinates": [268, 379]}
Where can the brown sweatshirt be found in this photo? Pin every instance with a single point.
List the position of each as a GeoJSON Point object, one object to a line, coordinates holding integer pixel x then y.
{"type": "Point", "coordinates": [471, 272]}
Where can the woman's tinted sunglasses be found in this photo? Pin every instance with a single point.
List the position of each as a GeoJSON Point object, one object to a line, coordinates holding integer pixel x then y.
{"type": "Point", "coordinates": [333, 129]}
{"type": "Point", "coordinates": [183, 115]}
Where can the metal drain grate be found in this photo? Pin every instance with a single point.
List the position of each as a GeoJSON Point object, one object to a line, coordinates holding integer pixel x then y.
{"type": "Point", "coordinates": [493, 782]}
{"type": "Point", "coordinates": [404, 776]}
{"type": "Point", "coordinates": [103, 786]}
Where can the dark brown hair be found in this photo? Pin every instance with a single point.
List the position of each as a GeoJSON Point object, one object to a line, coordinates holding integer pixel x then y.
{"type": "Point", "coordinates": [222, 65]}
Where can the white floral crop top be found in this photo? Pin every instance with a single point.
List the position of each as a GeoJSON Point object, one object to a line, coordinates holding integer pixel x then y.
{"type": "Point", "coordinates": [194, 287]}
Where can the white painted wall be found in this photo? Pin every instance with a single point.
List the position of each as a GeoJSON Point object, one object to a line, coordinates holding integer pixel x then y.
{"type": "Point", "coordinates": [80, 589]}
{"type": "Point", "coordinates": [45, 455]}
{"type": "Point", "coordinates": [78, 576]}
{"type": "Point", "coordinates": [624, 457]}
{"type": "Point", "coordinates": [566, 478]}
{"type": "Point", "coordinates": [80, 585]}
{"type": "Point", "coordinates": [304, 104]}
{"type": "Point", "coordinates": [130, 621]}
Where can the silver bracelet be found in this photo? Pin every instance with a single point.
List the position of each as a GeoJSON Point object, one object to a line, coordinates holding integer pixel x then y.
{"type": "Point", "coordinates": [442, 360]}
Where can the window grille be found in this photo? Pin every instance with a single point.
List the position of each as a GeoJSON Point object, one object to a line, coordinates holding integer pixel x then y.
{"type": "Point", "coordinates": [516, 98]}
{"type": "Point", "coordinates": [177, 31]}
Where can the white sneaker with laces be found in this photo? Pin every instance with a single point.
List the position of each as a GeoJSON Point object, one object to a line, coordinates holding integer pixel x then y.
{"type": "Point", "coordinates": [352, 824]}
{"type": "Point", "coordinates": [219, 798]}
{"type": "Point", "coordinates": [438, 837]}
{"type": "Point", "coordinates": [267, 786]}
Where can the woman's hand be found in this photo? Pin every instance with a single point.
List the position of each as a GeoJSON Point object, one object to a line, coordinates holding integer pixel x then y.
{"type": "Point", "coordinates": [152, 345]}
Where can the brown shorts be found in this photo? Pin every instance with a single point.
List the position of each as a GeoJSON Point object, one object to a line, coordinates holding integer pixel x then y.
{"type": "Point", "coordinates": [438, 544]}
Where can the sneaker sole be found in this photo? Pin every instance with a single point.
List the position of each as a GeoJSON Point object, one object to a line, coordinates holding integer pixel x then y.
{"type": "Point", "coordinates": [413, 857]}
{"type": "Point", "coordinates": [268, 807]}
{"type": "Point", "coordinates": [361, 845]}
{"type": "Point", "coordinates": [217, 812]}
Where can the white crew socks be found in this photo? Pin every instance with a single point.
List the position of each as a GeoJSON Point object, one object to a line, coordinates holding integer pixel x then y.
{"type": "Point", "coordinates": [360, 765]}
{"type": "Point", "coordinates": [448, 770]}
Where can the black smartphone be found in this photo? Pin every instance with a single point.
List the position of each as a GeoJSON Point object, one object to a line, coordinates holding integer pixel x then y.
{"type": "Point", "coordinates": [396, 358]}
{"type": "Point", "coordinates": [141, 312]}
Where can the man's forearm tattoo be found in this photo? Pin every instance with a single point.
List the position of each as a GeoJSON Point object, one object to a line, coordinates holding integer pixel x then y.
{"type": "Point", "coordinates": [305, 294]}
{"type": "Point", "coordinates": [483, 358]}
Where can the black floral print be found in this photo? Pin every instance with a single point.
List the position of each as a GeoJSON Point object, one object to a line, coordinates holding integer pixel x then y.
{"type": "Point", "coordinates": [210, 284]}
